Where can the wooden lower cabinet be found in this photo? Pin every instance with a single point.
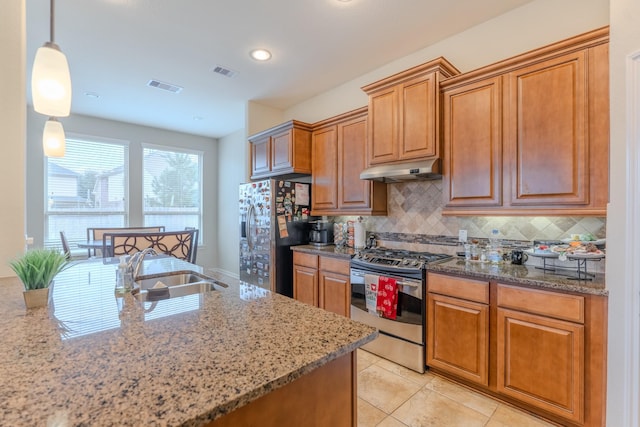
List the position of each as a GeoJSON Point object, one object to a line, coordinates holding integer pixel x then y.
{"type": "Point", "coordinates": [541, 362]}
{"type": "Point", "coordinates": [327, 396]}
{"type": "Point", "coordinates": [322, 282]}
{"type": "Point", "coordinates": [543, 351]}
{"type": "Point", "coordinates": [458, 327]}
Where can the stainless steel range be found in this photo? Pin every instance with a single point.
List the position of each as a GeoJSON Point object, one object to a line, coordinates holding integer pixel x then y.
{"type": "Point", "coordinates": [401, 340]}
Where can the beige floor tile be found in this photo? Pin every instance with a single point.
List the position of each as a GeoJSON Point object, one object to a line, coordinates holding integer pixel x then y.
{"type": "Point", "coordinates": [384, 389]}
{"type": "Point", "coordinates": [428, 408]}
{"type": "Point", "coordinates": [369, 415]}
{"type": "Point", "coordinates": [391, 422]}
{"type": "Point", "coordinates": [366, 359]}
{"type": "Point", "coordinates": [477, 402]}
{"type": "Point", "coordinates": [422, 379]}
{"type": "Point", "coordinates": [505, 416]}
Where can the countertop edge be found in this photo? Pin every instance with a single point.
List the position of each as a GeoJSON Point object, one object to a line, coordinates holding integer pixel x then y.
{"type": "Point", "coordinates": [445, 267]}
{"type": "Point", "coordinates": [328, 251]}
{"type": "Point", "coordinates": [282, 381]}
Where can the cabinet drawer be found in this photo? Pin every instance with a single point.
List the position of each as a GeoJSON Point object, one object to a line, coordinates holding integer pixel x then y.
{"type": "Point", "coordinates": [334, 265]}
{"type": "Point", "coordinates": [472, 290]}
{"type": "Point", "coordinates": [306, 260]}
{"type": "Point", "coordinates": [560, 306]}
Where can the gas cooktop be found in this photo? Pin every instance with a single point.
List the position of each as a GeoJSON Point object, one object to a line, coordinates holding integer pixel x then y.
{"type": "Point", "coordinates": [395, 259]}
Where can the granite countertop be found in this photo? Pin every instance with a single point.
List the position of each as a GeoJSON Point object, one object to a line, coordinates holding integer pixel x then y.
{"type": "Point", "coordinates": [93, 359]}
{"type": "Point", "coordinates": [522, 275]}
{"type": "Point", "coordinates": [331, 251]}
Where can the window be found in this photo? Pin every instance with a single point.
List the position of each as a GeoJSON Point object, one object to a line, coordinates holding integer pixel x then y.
{"type": "Point", "coordinates": [172, 188]}
{"type": "Point", "coordinates": [85, 188]}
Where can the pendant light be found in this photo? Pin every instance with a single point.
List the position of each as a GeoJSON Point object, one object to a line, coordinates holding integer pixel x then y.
{"type": "Point", "coordinates": [53, 139]}
{"type": "Point", "coordinates": [50, 78]}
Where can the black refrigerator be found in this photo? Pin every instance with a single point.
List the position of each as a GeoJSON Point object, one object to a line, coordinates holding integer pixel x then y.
{"type": "Point", "coordinates": [274, 215]}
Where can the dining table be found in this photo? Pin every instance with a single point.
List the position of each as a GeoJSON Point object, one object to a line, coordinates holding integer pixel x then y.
{"type": "Point", "coordinates": [93, 245]}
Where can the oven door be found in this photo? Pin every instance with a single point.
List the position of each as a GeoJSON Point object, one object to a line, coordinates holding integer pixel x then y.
{"type": "Point", "coordinates": [409, 322]}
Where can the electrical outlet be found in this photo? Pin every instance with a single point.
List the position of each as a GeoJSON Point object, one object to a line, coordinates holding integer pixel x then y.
{"type": "Point", "coordinates": [462, 235]}
{"type": "Point", "coordinates": [29, 240]}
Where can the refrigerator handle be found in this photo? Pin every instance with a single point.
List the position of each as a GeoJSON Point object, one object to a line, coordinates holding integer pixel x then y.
{"type": "Point", "coordinates": [250, 218]}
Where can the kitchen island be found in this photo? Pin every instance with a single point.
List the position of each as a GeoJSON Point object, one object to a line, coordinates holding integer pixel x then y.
{"type": "Point", "coordinates": [92, 358]}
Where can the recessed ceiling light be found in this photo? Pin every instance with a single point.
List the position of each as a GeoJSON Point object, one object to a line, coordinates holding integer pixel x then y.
{"type": "Point", "coordinates": [94, 95]}
{"type": "Point", "coordinates": [260, 54]}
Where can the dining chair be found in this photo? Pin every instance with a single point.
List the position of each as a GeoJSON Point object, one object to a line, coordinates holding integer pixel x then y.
{"type": "Point", "coordinates": [65, 245]}
{"type": "Point", "coordinates": [96, 234]}
{"type": "Point", "coordinates": [179, 244]}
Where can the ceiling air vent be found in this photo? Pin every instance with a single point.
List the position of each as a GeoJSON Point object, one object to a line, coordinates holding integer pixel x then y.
{"type": "Point", "coordinates": [224, 71]}
{"type": "Point", "coordinates": [164, 86]}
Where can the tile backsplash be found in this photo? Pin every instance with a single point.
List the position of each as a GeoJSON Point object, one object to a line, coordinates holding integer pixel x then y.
{"type": "Point", "coordinates": [416, 208]}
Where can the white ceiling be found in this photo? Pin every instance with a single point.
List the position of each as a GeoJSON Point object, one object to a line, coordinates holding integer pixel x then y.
{"type": "Point", "coordinates": [115, 47]}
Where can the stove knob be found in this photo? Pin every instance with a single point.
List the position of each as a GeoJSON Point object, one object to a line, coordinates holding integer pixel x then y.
{"type": "Point", "coordinates": [414, 262]}
{"type": "Point", "coordinates": [405, 261]}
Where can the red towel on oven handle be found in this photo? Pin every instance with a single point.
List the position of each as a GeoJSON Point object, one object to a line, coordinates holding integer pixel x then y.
{"type": "Point", "coordinates": [387, 301]}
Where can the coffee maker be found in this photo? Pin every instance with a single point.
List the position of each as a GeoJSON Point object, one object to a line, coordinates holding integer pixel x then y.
{"type": "Point", "coordinates": [321, 233]}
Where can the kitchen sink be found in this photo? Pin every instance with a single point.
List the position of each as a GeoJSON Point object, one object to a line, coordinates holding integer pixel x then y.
{"type": "Point", "coordinates": [177, 284]}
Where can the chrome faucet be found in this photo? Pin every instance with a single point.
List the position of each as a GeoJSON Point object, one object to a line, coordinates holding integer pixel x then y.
{"type": "Point", "coordinates": [135, 262]}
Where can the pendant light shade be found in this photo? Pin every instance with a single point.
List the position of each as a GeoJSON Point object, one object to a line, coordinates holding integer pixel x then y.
{"type": "Point", "coordinates": [50, 78]}
{"type": "Point", "coordinates": [53, 139]}
{"type": "Point", "coordinates": [51, 82]}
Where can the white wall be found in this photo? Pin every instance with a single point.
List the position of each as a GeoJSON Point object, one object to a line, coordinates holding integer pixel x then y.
{"type": "Point", "coordinates": [623, 222]}
{"type": "Point", "coordinates": [260, 117]}
{"type": "Point", "coordinates": [233, 149]}
{"type": "Point", "coordinates": [136, 135]}
{"type": "Point", "coordinates": [13, 104]}
{"type": "Point", "coordinates": [533, 25]}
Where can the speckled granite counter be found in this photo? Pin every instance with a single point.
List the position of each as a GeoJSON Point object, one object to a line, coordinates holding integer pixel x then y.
{"type": "Point", "coordinates": [331, 251]}
{"type": "Point", "coordinates": [521, 274]}
{"type": "Point", "coordinates": [92, 360]}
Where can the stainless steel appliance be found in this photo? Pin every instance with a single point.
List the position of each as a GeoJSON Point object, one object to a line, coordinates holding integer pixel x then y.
{"type": "Point", "coordinates": [274, 216]}
{"type": "Point", "coordinates": [401, 340]}
{"type": "Point", "coordinates": [321, 233]}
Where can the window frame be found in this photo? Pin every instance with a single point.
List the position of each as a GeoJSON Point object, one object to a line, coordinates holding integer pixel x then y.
{"type": "Point", "coordinates": [51, 238]}
{"type": "Point", "coordinates": [180, 150]}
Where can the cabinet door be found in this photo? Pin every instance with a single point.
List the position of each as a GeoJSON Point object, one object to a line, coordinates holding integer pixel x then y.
{"type": "Point", "coordinates": [325, 169]}
{"type": "Point", "coordinates": [472, 157]}
{"type": "Point", "coordinates": [282, 150]}
{"type": "Point", "coordinates": [458, 337]}
{"type": "Point", "coordinates": [417, 118]}
{"type": "Point", "coordinates": [261, 156]}
{"type": "Point", "coordinates": [335, 293]}
{"type": "Point", "coordinates": [548, 136]}
{"type": "Point", "coordinates": [540, 361]}
{"type": "Point", "coordinates": [353, 192]}
{"type": "Point", "coordinates": [383, 126]}
{"type": "Point", "coordinates": [305, 284]}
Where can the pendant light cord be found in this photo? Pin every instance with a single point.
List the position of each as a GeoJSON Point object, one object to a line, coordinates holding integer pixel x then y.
{"type": "Point", "coordinates": [51, 21]}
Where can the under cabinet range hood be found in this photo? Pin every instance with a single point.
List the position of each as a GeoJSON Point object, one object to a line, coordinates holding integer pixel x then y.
{"type": "Point", "coordinates": [409, 171]}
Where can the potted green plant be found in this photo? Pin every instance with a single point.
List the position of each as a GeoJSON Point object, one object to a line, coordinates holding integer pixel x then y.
{"type": "Point", "coordinates": [36, 269]}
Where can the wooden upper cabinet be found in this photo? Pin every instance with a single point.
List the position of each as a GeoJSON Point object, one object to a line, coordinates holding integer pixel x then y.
{"type": "Point", "coordinates": [472, 155]}
{"type": "Point", "coordinates": [261, 155]}
{"type": "Point", "coordinates": [548, 141]}
{"type": "Point", "coordinates": [530, 135]}
{"type": "Point", "coordinates": [339, 155]}
{"type": "Point", "coordinates": [281, 150]}
{"type": "Point", "coordinates": [324, 192]}
{"type": "Point", "coordinates": [404, 114]}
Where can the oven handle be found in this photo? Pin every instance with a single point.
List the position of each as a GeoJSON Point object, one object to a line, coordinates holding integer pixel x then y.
{"type": "Point", "coordinates": [413, 284]}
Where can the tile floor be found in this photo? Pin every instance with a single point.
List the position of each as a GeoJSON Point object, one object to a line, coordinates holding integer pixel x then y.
{"type": "Point", "coordinates": [390, 395]}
